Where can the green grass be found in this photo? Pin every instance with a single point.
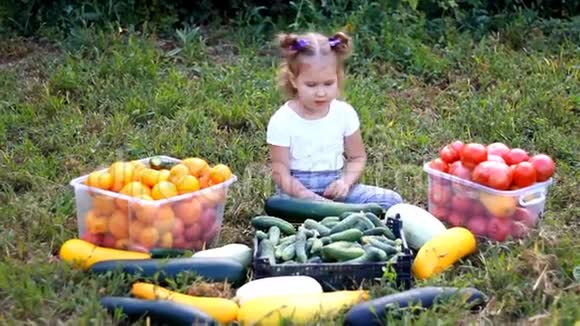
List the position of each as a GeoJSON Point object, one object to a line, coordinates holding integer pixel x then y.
{"type": "Point", "coordinates": [105, 96]}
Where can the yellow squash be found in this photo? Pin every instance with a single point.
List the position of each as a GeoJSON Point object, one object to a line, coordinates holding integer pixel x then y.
{"type": "Point", "coordinates": [443, 251]}
{"type": "Point", "coordinates": [300, 309]}
{"type": "Point", "coordinates": [83, 254]}
{"type": "Point", "coordinates": [223, 310]}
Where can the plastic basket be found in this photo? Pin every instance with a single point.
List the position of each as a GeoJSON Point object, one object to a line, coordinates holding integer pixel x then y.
{"type": "Point", "coordinates": [489, 213]}
{"type": "Point", "coordinates": [341, 276]}
{"type": "Point", "coordinates": [188, 221]}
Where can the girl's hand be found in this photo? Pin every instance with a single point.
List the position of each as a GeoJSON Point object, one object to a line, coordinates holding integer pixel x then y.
{"type": "Point", "coordinates": [338, 189]}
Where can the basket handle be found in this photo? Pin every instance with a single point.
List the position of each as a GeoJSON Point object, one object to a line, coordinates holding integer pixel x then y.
{"type": "Point", "coordinates": [536, 198]}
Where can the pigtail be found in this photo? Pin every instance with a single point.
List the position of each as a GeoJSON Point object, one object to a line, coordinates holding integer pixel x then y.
{"type": "Point", "coordinates": [341, 44]}
{"type": "Point", "coordinates": [286, 44]}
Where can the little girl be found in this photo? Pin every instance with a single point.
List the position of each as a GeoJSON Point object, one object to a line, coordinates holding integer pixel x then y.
{"type": "Point", "coordinates": [313, 133]}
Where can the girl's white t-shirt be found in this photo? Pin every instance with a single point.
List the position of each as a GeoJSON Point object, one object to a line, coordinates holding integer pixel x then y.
{"type": "Point", "coordinates": [315, 145]}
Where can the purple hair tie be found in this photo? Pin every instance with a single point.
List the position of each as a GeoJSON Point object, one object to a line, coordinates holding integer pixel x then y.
{"type": "Point", "coordinates": [333, 42]}
{"type": "Point", "coordinates": [299, 44]}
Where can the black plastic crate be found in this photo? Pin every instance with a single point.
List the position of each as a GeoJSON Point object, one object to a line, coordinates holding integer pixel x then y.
{"type": "Point", "coordinates": [341, 276]}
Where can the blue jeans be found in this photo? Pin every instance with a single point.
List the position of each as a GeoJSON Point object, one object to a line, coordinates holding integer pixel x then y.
{"type": "Point", "coordinates": [359, 194]}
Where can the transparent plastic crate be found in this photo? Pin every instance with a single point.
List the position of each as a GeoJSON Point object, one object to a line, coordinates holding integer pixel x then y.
{"type": "Point", "coordinates": [114, 220]}
{"type": "Point", "coordinates": [489, 213]}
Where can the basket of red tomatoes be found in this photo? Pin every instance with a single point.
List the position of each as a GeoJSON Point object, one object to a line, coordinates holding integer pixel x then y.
{"type": "Point", "coordinates": [495, 191]}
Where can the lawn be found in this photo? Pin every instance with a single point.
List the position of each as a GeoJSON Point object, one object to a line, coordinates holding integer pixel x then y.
{"type": "Point", "coordinates": [73, 105]}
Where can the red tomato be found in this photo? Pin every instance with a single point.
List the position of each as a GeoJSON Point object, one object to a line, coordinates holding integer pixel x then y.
{"type": "Point", "coordinates": [544, 166]}
{"type": "Point", "coordinates": [459, 170]}
{"type": "Point", "coordinates": [524, 216]}
{"type": "Point", "coordinates": [448, 154]}
{"type": "Point", "coordinates": [473, 154]}
{"type": "Point", "coordinates": [498, 228]}
{"type": "Point", "coordinates": [477, 208]}
{"type": "Point", "coordinates": [495, 158]}
{"type": "Point", "coordinates": [477, 224]}
{"type": "Point", "coordinates": [457, 145]}
{"type": "Point", "coordinates": [109, 241]}
{"type": "Point", "coordinates": [496, 175]}
{"type": "Point", "coordinates": [515, 156]}
{"type": "Point", "coordinates": [524, 174]}
{"type": "Point", "coordinates": [455, 219]}
{"type": "Point", "coordinates": [499, 149]}
{"type": "Point", "coordinates": [461, 204]}
{"type": "Point", "coordinates": [439, 194]}
{"type": "Point", "coordinates": [439, 212]}
{"type": "Point", "coordinates": [439, 165]}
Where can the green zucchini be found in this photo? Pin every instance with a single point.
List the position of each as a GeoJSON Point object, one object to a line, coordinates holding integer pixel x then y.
{"type": "Point", "coordinates": [375, 312]}
{"type": "Point", "coordinates": [264, 223]}
{"type": "Point", "coordinates": [274, 234]}
{"type": "Point", "coordinates": [215, 269]}
{"type": "Point", "coordinates": [313, 225]}
{"type": "Point", "coordinates": [159, 312]}
{"type": "Point", "coordinates": [300, 247]}
{"type": "Point", "coordinates": [267, 251]}
{"type": "Point", "coordinates": [297, 210]}
{"type": "Point", "coordinates": [346, 224]}
{"type": "Point", "coordinates": [333, 253]}
{"type": "Point", "coordinates": [374, 219]}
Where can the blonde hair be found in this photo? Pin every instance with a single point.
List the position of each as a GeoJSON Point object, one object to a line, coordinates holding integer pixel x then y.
{"type": "Point", "coordinates": [294, 47]}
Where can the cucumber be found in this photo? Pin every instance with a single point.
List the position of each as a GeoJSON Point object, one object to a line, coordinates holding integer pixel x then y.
{"type": "Point", "coordinates": [374, 219]}
{"type": "Point", "coordinates": [351, 235]}
{"type": "Point", "coordinates": [374, 312]}
{"type": "Point", "coordinates": [331, 224]}
{"type": "Point", "coordinates": [329, 219]}
{"type": "Point", "coordinates": [364, 223]}
{"type": "Point", "coordinates": [316, 246]}
{"type": "Point", "coordinates": [300, 247]}
{"type": "Point", "coordinates": [309, 233]}
{"type": "Point", "coordinates": [264, 223]}
{"type": "Point", "coordinates": [313, 225]}
{"type": "Point", "coordinates": [345, 224]}
{"type": "Point", "coordinates": [280, 248]}
{"type": "Point", "coordinates": [382, 239]}
{"type": "Point", "coordinates": [371, 254]}
{"type": "Point", "coordinates": [158, 311]}
{"type": "Point", "coordinates": [267, 251]}
{"type": "Point", "coordinates": [383, 246]}
{"type": "Point", "coordinates": [297, 210]}
{"type": "Point", "coordinates": [288, 239]}
{"type": "Point", "coordinates": [380, 230]}
{"type": "Point", "coordinates": [274, 234]}
{"type": "Point", "coordinates": [346, 214]}
{"type": "Point", "coordinates": [215, 269]}
{"type": "Point", "coordinates": [261, 235]}
{"type": "Point", "coordinates": [331, 253]}
{"type": "Point", "coordinates": [289, 252]}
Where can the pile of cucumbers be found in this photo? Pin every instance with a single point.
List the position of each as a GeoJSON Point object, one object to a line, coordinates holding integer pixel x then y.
{"type": "Point", "coordinates": [352, 237]}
